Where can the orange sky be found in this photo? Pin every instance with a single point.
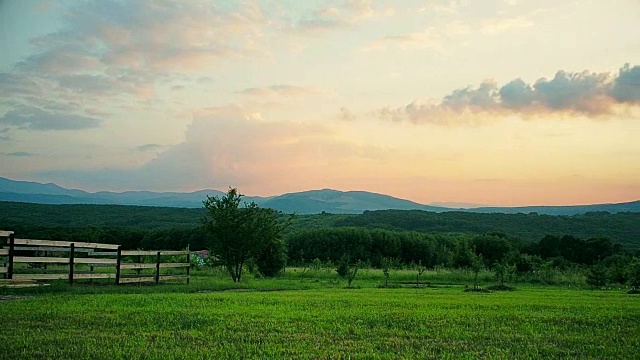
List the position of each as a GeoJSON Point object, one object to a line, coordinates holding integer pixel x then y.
{"type": "Point", "coordinates": [495, 103]}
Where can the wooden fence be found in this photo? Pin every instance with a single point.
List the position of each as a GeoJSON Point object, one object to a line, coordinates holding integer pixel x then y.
{"type": "Point", "coordinates": [28, 259]}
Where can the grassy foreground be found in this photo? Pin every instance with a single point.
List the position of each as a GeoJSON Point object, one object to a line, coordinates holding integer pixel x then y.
{"type": "Point", "coordinates": [440, 322]}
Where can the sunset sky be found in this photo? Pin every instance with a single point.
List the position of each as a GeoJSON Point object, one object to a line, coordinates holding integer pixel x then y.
{"type": "Point", "coordinates": [497, 102]}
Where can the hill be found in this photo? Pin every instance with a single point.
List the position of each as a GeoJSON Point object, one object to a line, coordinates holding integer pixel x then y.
{"type": "Point", "coordinates": [306, 202]}
{"type": "Point", "coordinates": [623, 228]}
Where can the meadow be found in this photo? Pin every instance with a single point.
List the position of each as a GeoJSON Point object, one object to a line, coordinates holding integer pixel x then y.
{"type": "Point", "coordinates": [313, 315]}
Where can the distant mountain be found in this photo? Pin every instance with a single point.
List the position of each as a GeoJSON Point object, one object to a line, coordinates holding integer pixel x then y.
{"type": "Point", "coordinates": [306, 202]}
{"type": "Point", "coordinates": [456, 205]}
{"type": "Point", "coordinates": [633, 206]}
{"type": "Point", "coordinates": [340, 202]}
{"type": "Point", "coordinates": [33, 192]}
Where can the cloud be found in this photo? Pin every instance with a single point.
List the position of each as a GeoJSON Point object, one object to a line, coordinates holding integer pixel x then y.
{"type": "Point", "coordinates": [346, 14]}
{"type": "Point", "coordinates": [157, 35]}
{"type": "Point", "coordinates": [120, 51]}
{"type": "Point", "coordinates": [279, 90]}
{"type": "Point", "coordinates": [451, 7]}
{"type": "Point", "coordinates": [21, 154]}
{"type": "Point", "coordinates": [30, 118]}
{"type": "Point", "coordinates": [584, 93]}
{"type": "Point", "coordinates": [626, 87]}
{"type": "Point", "coordinates": [149, 147]}
{"type": "Point", "coordinates": [429, 38]}
{"type": "Point", "coordinates": [495, 26]}
{"type": "Point", "coordinates": [346, 115]}
{"type": "Point", "coordinates": [231, 147]}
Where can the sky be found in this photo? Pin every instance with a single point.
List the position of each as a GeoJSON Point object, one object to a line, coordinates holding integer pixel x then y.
{"type": "Point", "coordinates": [496, 102]}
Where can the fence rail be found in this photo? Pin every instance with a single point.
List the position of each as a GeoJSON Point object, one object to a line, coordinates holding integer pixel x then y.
{"type": "Point", "coordinates": [32, 258]}
{"type": "Point", "coordinates": [65, 244]}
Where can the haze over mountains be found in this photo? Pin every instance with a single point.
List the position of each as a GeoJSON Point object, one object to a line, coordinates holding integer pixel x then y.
{"type": "Point", "coordinates": [306, 202]}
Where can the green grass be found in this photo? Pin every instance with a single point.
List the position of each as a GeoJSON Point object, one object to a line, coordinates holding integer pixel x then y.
{"type": "Point", "coordinates": [315, 318]}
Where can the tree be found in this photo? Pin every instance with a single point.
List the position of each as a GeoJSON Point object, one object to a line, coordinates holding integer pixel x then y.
{"type": "Point", "coordinates": [343, 266]}
{"type": "Point", "coordinates": [502, 270]}
{"type": "Point", "coordinates": [238, 234]}
{"type": "Point", "coordinates": [597, 276]}
{"type": "Point", "coordinates": [316, 265]}
{"type": "Point", "coordinates": [633, 273]}
{"type": "Point", "coordinates": [386, 264]}
{"type": "Point", "coordinates": [420, 269]}
{"type": "Point", "coordinates": [353, 271]}
{"type": "Point", "coordinates": [477, 264]}
{"type": "Point", "coordinates": [273, 257]}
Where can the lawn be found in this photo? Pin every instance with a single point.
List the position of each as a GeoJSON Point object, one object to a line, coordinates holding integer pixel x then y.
{"type": "Point", "coordinates": [317, 320]}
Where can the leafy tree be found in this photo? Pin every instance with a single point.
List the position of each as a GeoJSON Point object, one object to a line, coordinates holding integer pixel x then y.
{"type": "Point", "coordinates": [343, 266]}
{"type": "Point", "coordinates": [238, 234]}
{"type": "Point", "coordinates": [493, 247]}
{"type": "Point", "coordinates": [353, 271]}
{"type": "Point", "coordinates": [477, 264]}
{"type": "Point", "coordinates": [597, 276]}
{"type": "Point", "coordinates": [617, 268]}
{"type": "Point", "coordinates": [527, 264]}
{"type": "Point", "coordinates": [316, 265]}
{"type": "Point", "coordinates": [273, 258]}
{"type": "Point", "coordinates": [633, 274]}
{"type": "Point", "coordinates": [503, 270]}
{"type": "Point", "coordinates": [420, 269]}
{"type": "Point", "coordinates": [386, 264]}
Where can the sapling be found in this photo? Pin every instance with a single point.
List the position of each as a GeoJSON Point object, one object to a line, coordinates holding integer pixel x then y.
{"type": "Point", "coordinates": [420, 269]}
{"type": "Point", "coordinates": [316, 265]}
{"type": "Point", "coordinates": [476, 266]}
{"type": "Point", "coordinates": [386, 265]}
{"type": "Point", "coordinates": [353, 271]}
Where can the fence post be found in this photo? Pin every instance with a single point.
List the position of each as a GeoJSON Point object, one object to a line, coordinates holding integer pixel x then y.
{"type": "Point", "coordinates": [11, 245]}
{"type": "Point", "coordinates": [158, 268]}
{"type": "Point", "coordinates": [118, 262]}
{"type": "Point", "coordinates": [188, 267]}
{"type": "Point", "coordinates": [71, 256]}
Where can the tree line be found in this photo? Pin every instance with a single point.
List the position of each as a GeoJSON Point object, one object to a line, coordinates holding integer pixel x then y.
{"type": "Point", "coordinates": [446, 250]}
{"type": "Point", "coordinates": [237, 235]}
{"type": "Point", "coordinates": [623, 228]}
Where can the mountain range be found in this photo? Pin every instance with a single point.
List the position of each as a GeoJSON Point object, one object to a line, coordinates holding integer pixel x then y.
{"type": "Point", "coordinates": [306, 202]}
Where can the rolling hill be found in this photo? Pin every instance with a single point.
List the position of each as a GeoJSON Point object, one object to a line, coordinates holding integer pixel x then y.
{"type": "Point", "coordinates": [306, 202]}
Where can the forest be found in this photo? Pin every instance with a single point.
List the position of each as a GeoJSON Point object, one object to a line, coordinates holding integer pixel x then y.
{"type": "Point", "coordinates": [528, 242]}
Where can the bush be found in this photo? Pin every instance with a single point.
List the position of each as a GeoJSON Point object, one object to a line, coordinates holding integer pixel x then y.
{"type": "Point", "coordinates": [272, 259]}
{"type": "Point", "coordinates": [343, 266]}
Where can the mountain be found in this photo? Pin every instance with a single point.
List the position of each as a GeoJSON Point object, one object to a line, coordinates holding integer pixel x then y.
{"type": "Point", "coordinates": [306, 202]}
{"type": "Point", "coordinates": [33, 192]}
{"type": "Point", "coordinates": [456, 205]}
{"type": "Point", "coordinates": [633, 206]}
{"type": "Point", "coordinates": [340, 202]}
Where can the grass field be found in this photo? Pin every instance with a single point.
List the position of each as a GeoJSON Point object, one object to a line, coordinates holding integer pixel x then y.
{"type": "Point", "coordinates": [309, 318]}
